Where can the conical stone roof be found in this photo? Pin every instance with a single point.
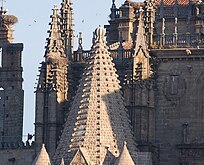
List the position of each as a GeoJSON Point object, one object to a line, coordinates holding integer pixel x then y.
{"type": "Point", "coordinates": [42, 158]}
{"type": "Point", "coordinates": [125, 158]}
{"type": "Point", "coordinates": [98, 118]}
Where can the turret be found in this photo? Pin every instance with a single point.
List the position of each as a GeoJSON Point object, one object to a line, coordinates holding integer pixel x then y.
{"type": "Point", "coordinates": [126, 19]}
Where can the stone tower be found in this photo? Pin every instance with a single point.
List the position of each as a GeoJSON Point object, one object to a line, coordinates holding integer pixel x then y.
{"type": "Point", "coordinates": [52, 88]}
{"type": "Point", "coordinates": [98, 122]}
{"type": "Point", "coordinates": [11, 92]}
{"type": "Point", "coordinates": [127, 19]}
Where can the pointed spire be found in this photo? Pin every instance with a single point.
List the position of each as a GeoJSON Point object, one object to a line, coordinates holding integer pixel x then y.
{"type": "Point", "coordinates": [141, 42]}
{"type": "Point", "coordinates": [55, 46]}
{"type": "Point", "coordinates": [141, 66]}
{"type": "Point", "coordinates": [68, 27]}
{"type": "Point", "coordinates": [125, 157]}
{"type": "Point", "coordinates": [98, 117]}
{"type": "Point", "coordinates": [42, 157]}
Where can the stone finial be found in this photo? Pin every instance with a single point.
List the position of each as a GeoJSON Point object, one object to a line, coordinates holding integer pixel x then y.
{"type": "Point", "coordinates": [99, 41]}
{"type": "Point", "coordinates": [80, 41]}
{"type": "Point", "coordinates": [113, 1]}
{"type": "Point", "coordinates": [99, 35]}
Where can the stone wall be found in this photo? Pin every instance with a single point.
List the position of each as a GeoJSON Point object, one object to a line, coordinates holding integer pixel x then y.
{"type": "Point", "coordinates": [179, 105]}
{"type": "Point", "coordinates": [16, 156]}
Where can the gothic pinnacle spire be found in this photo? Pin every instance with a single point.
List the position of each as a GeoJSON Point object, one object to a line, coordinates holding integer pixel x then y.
{"type": "Point", "coordinates": [55, 46]}
{"type": "Point", "coordinates": [67, 27]}
{"type": "Point", "coordinates": [141, 42]}
{"type": "Point", "coordinates": [141, 55]}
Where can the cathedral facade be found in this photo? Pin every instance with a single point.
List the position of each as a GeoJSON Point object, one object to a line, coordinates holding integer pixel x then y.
{"type": "Point", "coordinates": [134, 98]}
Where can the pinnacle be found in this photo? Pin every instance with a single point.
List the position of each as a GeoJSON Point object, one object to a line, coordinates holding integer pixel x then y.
{"type": "Point", "coordinates": [141, 39]}
{"type": "Point", "coordinates": [55, 46]}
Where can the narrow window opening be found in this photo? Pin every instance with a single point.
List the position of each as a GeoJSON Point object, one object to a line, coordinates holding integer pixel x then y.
{"type": "Point", "coordinates": [1, 51]}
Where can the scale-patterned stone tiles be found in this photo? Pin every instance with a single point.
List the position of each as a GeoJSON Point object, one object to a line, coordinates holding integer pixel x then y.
{"type": "Point", "coordinates": [98, 118]}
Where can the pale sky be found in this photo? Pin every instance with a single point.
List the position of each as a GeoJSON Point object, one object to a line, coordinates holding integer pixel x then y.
{"type": "Point", "coordinates": [31, 30]}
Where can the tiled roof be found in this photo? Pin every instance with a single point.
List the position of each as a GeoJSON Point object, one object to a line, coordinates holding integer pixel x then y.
{"type": "Point", "coordinates": [172, 2]}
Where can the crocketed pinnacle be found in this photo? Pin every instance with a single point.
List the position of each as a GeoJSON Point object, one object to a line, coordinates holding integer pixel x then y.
{"type": "Point", "coordinates": [141, 66]}
{"type": "Point", "coordinates": [42, 158]}
{"type": "Point", "coordinates": [55, 46]}
{"type": "Point", "coordinates": [141, 42]}
{"type": "Point", "coordinates": [67, 15]}
{"type": "Point", "coordinates": [98, 118]}
{"type": "Point", "coordinates": [67, 27]}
